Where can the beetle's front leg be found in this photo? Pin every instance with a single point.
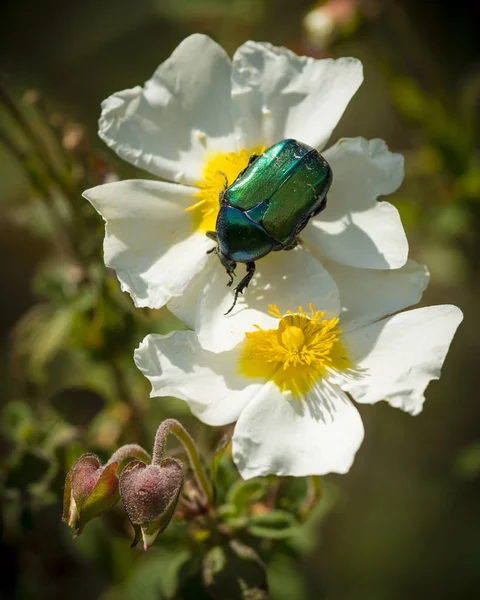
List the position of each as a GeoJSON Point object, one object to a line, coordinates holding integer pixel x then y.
{"type": "Point", "coordinates": [243, 284]}
{"type": "Point", "coordinates": [224, 189]}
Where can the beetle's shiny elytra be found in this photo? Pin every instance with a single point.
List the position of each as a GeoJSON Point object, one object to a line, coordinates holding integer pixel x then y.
{"type": "Point", "coordinates": [268, 205]}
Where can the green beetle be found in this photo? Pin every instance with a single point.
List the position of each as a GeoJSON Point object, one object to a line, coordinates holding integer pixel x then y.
{"type": "Point", "coordinates": [268, 205]}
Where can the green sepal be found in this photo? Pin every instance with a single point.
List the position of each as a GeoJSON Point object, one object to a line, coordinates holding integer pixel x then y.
{"type": "Point", "coordinates": [151, 531]}
{"type": "Point", "coordinates": [103, 497]}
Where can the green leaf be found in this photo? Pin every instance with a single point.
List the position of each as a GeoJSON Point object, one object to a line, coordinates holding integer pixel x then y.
{"type": "Point", "coordinates": [18, 421]}
{"type": "Point", "coordinates": [275, 525]}
{"type": "Point", "coordinates": [285, 578]}
{"type": "Point", "coordinates": [234, 571]}
{"type": "Point", "coordinates": [242, 493]}
{"type": "Point", "coordinates": [40, 334]}
{"type": "Point", "coordinates": [157, 575]}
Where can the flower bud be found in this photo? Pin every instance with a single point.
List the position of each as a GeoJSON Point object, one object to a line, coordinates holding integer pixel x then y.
{"type": "Point", "coordinates": [150, 494]}
{"type": "Point", "coordinates": [90, 490]}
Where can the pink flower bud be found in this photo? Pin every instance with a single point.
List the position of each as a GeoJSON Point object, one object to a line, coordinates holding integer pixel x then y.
{"type": "Point", "coordinates": [150, 494]}
{"type": "Point", "coordinates": [90, 490]}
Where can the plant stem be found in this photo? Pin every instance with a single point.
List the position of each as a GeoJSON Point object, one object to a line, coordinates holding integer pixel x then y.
{"type": "Point", "coordinates": [37, 179]}
{"type": "Point", "coordinates": [39, 147]}
{"type": "Point", "coordinates": [173, 426]}
{"type": "Point", "coordinates": [314, 491]}
{"type": "Point", "coordinates": [130, 451]}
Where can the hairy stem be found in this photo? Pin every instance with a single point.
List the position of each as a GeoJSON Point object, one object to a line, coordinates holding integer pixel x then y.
{"type": "Point", "coordinates": [173, 426]}
{"type": "Point", "coordinates": [130, 451]}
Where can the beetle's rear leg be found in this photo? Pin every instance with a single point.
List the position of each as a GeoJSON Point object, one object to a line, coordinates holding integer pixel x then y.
{"type": "Point", "coordinates": [243, 284]}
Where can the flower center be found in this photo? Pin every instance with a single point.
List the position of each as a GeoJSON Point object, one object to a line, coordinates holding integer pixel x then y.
{"type": "Point", "coordinates": [304, 349]}
{"type": "Point", "coordinates": [217, 167]}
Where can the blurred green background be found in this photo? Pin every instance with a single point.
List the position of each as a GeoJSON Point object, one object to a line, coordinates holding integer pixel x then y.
{"type": "Point", "coordinates": [405, 522]}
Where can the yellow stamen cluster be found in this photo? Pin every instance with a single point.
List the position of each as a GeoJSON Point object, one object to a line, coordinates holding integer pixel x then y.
{"type": "Point", "coordinates": [217, 167]}
{"type": "Point", "coordinates": [300, 352]}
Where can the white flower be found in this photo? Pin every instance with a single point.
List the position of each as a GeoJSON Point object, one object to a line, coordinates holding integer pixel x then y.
{"type": "Point", "coordinates": [202, 115]}
{"type": "Point", "coordinates": [286, 387]}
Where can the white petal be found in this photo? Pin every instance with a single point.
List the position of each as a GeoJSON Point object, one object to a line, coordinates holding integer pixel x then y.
{"type": "Point", "coordinates": [149, 238]}
{"type": "Point", "coordinates": [370, 294]}
{"type": "Point", "coordinates": [288, 279]}
{"type": "Point", "coordinates": [182, 111]}
{"type": "Point", "coordinates": [355, 229]}
{"type": "Point", "coordinates": [281, 435]}
{"type": "Point", "coordinates": [401, 355]}
{"type": "Point", "coordinates": [278, 95]}
{"type": "Point", "coordinates": [184, 307]}
{"type": "Point", "coordinates": [176, 365]}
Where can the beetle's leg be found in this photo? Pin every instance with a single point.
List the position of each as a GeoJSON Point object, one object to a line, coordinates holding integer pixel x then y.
{"type": "Point", "coordinates": [224, 189]}
{"type": "Point", "coordinates": [231, 274]}
{"type": "Point", "coordinates": [243, 284]}
{"type": "Point", "coordinates": [211, 235]}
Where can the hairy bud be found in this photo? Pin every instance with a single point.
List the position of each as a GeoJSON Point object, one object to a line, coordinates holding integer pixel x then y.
{"type": "Point", "coordinates": [150, 494]}
{"type": "Point", "coordinates": [90, 490]}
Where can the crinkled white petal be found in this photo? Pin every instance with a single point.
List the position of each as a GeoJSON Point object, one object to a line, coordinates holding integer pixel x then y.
{"type": "Point", "coordinates": [182, 112]}
{"type": "Point", "coordinates": [184, 307]}
{"type": "Point", "coordinates": [355, 229]}
{"type": "Point", "coordinates": [401, 355]}
{"type": "Point", "coordinates": [149, 238]}
{"type": "Point", "coordinates": [279, 95]}
{"type": "Point", "coordinates": [278, 434]}
{"type": "Point", "coordinates": [288, 279]}
{"type": "Point", "coordinates": [371, 294]}
{"type": "Point", "coordinates": [176, 365]}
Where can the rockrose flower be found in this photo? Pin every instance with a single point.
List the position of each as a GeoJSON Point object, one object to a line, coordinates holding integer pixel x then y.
{"type": "Point", "coordinates": [289, 387]}
{"type": "Point", "coordinates": [198, 120]}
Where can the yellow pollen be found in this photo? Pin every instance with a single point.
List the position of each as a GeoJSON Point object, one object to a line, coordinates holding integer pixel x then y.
{"type": "Point", "coordinates": [293, 338]}
{"type": "Point", "coordinates": [219, 166]}
{"type": "Point", "coordinates": [301, 351]}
